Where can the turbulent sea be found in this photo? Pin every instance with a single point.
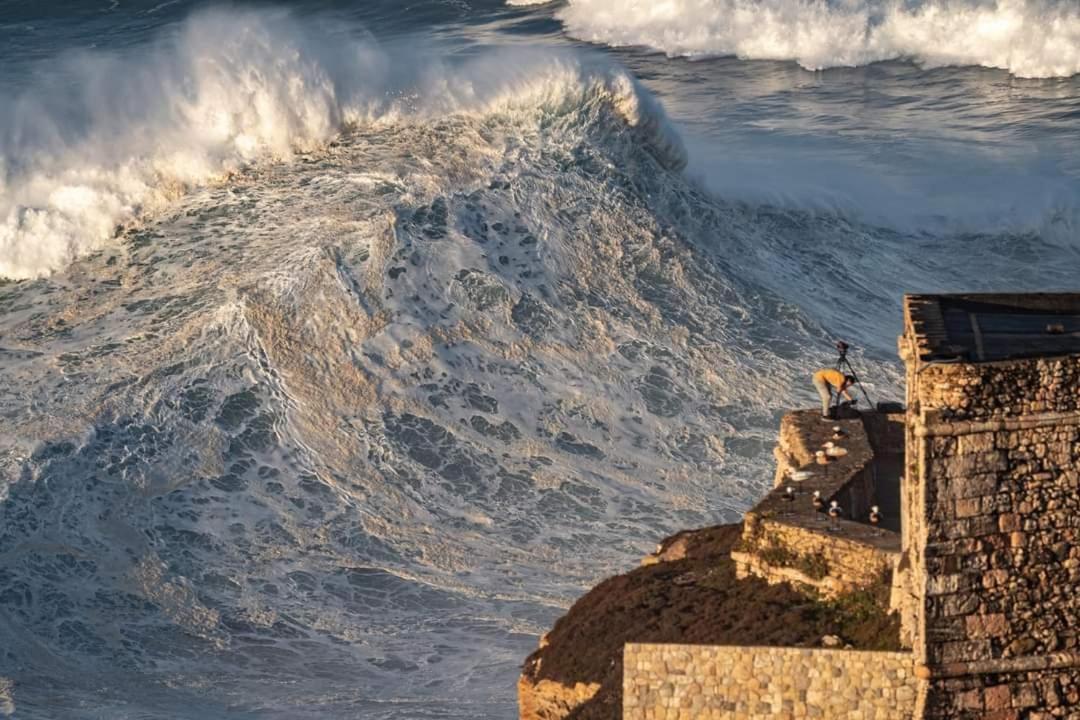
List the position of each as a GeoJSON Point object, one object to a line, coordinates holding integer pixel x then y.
{"type": "Point", "coordinates": [343, 345]}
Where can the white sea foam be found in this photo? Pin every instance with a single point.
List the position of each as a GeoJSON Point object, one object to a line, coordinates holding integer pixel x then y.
{"type": "Point", "coordinates": [137, 130]}
{"type": "Point", "coordinates": [7, 703]}
{"type": "Point", "coordinates": [232, 88]}
{"type": "Point", "coordinates": [945, 192]}
{"type": "Point", "coordinates": [282, 291]}
{"type": "Point", "coordinates": [1029, 38]}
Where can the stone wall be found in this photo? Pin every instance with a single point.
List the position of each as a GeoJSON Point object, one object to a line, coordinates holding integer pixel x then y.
{"type": "Point", "coordinates": [1006, 696]}
{"type": "Point", "coordinates": [984, 391]}
{"type": "Point", "coordinates": [786, 539]}
{"type": "Point", "coordinates": [992, 532]}
{"type": "Point", "coordinates": [830, 562]}
{"type": "Point", "coordinates": [668, 682]}
{"type": "Point", "coordinates": [1002, 559]}
{"type": "Point", "coordinates": [1003, 543]}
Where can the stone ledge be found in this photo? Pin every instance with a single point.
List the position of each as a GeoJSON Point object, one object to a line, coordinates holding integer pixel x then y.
{"type": "Point", "coordinates": [852, 554]}
{"type": "Point", "coordinates": [1027, 663]}
{"type": "Point", "coordinates": [933, 426]}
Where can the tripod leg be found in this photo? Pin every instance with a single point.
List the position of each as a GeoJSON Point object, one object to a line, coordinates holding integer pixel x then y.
{"type": "Point", "coordinates": [851, 372]}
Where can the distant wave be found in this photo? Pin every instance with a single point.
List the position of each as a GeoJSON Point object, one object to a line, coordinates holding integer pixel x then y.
{"type": "Point", "coordinates": [229, 89]}
{"type": "Point", "coordinates": [1029, 38]}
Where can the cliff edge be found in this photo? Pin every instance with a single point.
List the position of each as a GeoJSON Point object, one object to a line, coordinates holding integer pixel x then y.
{"type": "Point", "coordinates": [687, 592]}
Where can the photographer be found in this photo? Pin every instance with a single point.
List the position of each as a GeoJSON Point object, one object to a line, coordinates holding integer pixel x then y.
{"type": "Point", "coordinates": [826, 382]}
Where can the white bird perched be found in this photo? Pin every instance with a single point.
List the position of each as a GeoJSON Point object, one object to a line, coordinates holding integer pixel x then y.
{"type": "Point", "coordinates": [818, 502]}
{"type": "Point", "coordinates": [834, 509]}
{"type": "Point", "coordinates": [875, 515]}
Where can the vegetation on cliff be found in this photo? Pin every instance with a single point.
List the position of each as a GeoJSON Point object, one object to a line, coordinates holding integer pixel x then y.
{"type": "Point", "coordinates": [694, 599]}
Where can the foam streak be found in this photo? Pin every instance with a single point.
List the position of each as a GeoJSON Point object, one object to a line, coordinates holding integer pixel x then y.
{"type": "Point", "coordinates": [1029, 38]}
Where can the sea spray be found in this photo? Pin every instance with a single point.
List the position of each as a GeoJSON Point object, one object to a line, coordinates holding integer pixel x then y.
{"type": "Point", "coordinates": [1029, 38]}
{"type": "Point", "coordinates": [106, 137]}
{"type": "Point", "coordinates": [7, 699]}
{"type": "Point", "coordinates": [233, 88]}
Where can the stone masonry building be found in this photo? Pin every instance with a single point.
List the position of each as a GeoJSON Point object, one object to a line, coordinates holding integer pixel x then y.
{"type": "Point", "coordinates": [991, 492]}
{"type": "Point", "coordinates": [980, 481]}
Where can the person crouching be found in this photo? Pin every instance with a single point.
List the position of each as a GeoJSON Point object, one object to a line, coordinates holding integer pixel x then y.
{"type": "Point", "coordinates": [832, 384]}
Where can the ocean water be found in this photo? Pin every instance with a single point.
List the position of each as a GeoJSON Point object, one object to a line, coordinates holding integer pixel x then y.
{"type": "Point", "coordinates": [344, 345]}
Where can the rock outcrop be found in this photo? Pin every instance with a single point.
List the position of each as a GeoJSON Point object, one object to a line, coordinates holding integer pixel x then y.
{"type": "Point", "coordinates": [686, 592]}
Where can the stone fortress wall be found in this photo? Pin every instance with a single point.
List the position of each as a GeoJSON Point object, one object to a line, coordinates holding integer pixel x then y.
{"type": "Point", "coordinates": [993, 496]}
{"type": "Point", "coordinates": [785, 539]}
{"type": "Point", "coordinates": [682, 682]}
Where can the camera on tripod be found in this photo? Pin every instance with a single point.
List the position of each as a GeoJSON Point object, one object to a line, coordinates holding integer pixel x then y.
{"type": "Point", "coordinates": [844, 366]}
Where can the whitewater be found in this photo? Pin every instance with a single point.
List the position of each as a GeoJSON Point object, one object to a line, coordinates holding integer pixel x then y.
{"type": "Point", "coordinates": [342, 348]}
{"type": "Point", "coordinates": [1029, 38]}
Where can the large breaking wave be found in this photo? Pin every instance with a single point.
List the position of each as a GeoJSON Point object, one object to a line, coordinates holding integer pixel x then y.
{"type": "Point", "coordinates": [338, 436]}
{"type": "Point", "coordinates": [104, 139]}
{"type": "Point", "coordinates": [1029, 38]}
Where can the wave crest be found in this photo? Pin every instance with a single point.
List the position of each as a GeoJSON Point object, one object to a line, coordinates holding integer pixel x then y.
{"type": "Point", "coordinates": [137, 131]}
{"type": "Point", "coordinates": [1029, 38]}
{"type": "Point", "coordinates": [236, 87]}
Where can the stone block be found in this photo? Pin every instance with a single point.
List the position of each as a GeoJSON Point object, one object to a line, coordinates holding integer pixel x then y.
{"type": "Point", "coordinates": [1009, 523]}
{"type": "Point", "coordinates": [994, 625]}
{"type": "Point", "coordinates": [998, 697]}
{"type": "Point", "coordinates": [968, 507]}
{"type": "Point", "coordinates": [975, 444]}
{"type": "Point", "coordinates": [970, 700]}
{"type": "Point", "coordinates": [1025, 696]}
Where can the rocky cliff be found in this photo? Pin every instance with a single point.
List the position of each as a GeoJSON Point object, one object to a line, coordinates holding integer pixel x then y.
{"type": "Point", "coordinates": [686, 592]}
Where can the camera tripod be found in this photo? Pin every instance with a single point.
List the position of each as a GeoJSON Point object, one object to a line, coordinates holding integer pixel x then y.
{"type": "Point", "coordinates": [843, 365]}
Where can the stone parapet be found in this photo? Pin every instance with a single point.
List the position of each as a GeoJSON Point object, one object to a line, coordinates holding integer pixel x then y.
{"type": "Point", "coordinates": [832, 558]}
{"type": "Point", "coordinates": [669, 682]}
{"type": "Point", "coordinates": [786, 539]}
